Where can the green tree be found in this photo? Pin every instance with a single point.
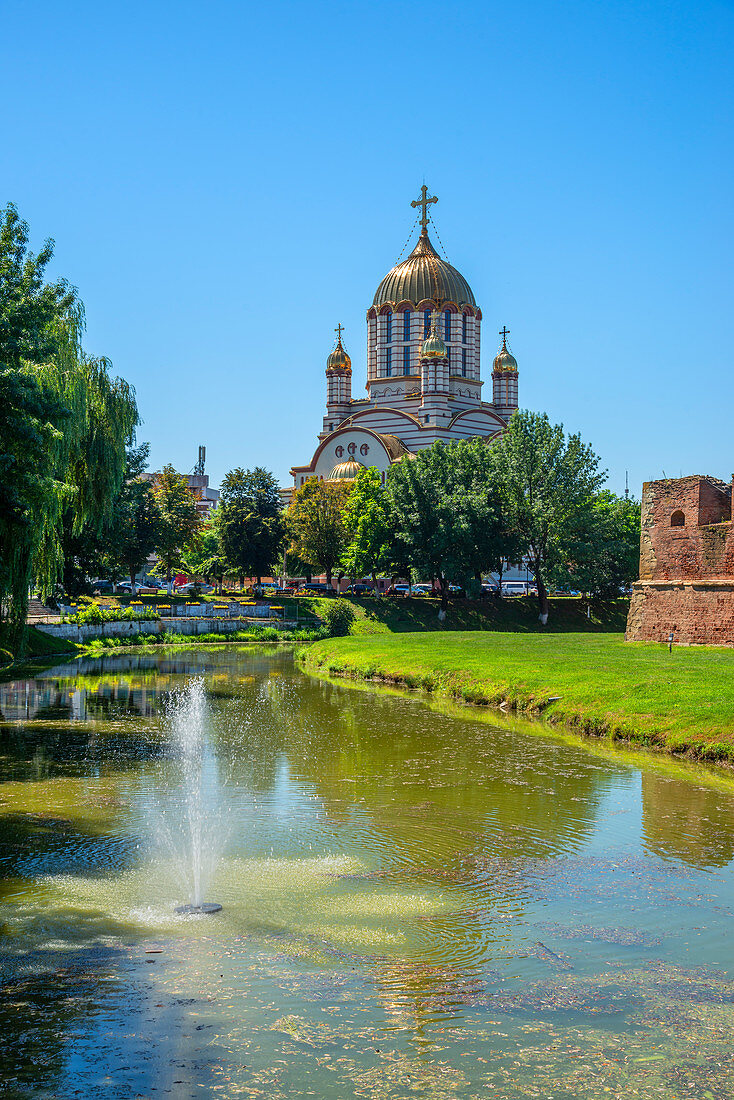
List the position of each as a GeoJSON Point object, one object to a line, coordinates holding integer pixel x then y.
{"type": "Point", "coordinates": [65, 422]}
{"type": "Point", "coordinates": [604, 550]}
{"type": "Point", "coordinates": [423, 494]}
{"type": "Point", "coordinates": [368, 526]}
{"type": "Point", "coordinates": [251, 522]}
{"type": "Point", "coordinates": [180, 521]}
{"type": "Point", "coordinates": [483, 533]}
{"type": "Point", "coordinates": [316, 523]}
{"type": "Point", "coordinates": [129, 536]}
{"type": "Point", "coordinates": [137, 523]}
{"type": "Point", "coordinates": [205, 558]}
{"type": "Point", "coordinates": [548, 483]}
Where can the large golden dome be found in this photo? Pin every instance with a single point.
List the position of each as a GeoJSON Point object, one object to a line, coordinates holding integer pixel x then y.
{"type": "Point", "coordinates": [424, 275]}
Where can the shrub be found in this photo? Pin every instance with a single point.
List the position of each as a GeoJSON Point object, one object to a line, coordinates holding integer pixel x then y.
{"type": "Point", "coordinates": [338, 616]}
{"type": "Point", "coordinates": [93, 613]}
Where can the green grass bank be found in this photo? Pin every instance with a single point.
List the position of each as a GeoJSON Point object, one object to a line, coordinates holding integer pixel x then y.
{"type": "Point", "coordinates": [595, 684]}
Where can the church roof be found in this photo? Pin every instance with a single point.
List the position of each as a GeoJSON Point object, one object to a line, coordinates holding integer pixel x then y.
{"type": "Point", "coordinates": [424, 275]}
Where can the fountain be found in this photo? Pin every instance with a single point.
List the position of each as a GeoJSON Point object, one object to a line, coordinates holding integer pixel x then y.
{"type": "Point", "coordinates": [195, 833]}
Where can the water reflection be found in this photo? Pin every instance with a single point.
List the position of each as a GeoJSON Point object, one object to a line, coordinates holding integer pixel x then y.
{"type": "Point", "coordinates": [691, 823]}
{"type": "Point", "coordinates": [395, 875]}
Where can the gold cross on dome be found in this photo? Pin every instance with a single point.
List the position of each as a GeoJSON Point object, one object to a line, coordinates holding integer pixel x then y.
{"type": "Point", "coordinates": [423, 202]}
{"type": "Point", "coordinates": [339, 330]}
{"type": "Point", "coordinates": [504, 333]}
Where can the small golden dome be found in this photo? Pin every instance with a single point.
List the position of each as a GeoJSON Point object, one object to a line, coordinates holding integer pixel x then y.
{"type": "Point", "coordinates": [339, 360]}
{"type": "Point", "coordinates": [504, 360]}
{"type": "Point", "coordinates": [345, 471]}
{"type": "Point", "coordinates": [433, 345]}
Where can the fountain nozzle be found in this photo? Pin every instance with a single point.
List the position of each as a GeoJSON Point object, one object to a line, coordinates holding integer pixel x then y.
{"type": "Point", "coordinates": [205, 908]}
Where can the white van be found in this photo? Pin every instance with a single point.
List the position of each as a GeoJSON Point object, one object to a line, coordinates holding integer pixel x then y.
{"type": "Point", "coordinates": [514, 588]}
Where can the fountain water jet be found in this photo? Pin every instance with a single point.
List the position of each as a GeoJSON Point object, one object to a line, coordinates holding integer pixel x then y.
{"type": "Point", "coordinates": [196, 835]}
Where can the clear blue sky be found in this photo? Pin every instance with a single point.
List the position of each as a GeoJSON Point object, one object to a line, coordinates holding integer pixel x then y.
{"type": "Point", "coordinates": [227, 181]}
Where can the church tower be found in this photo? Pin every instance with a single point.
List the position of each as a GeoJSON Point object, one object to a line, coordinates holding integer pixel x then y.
{"type": "Point", "coordinates": [338, 384]}
{"type": "Point", "coordinates": [504, 379]}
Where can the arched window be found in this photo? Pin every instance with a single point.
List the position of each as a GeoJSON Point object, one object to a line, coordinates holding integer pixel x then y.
{"type": "Point", "coordinates": [447, 325]}
{"type": "Point", "coordinates": [463, 328]}
{"type": "Point", "coordinates": [406, 359]}
{"type": "Point", "coordinates": [463, 362]}
{"type": "Point", "coordinates": [426, 322]}
{"type": "Point", "coordinates": [388, 362]}
{"type": "Point", "coordinates": [678, 519]}
{"type": "Point", "coordinates": [388, 327]}
{"type": "Point", "coordinates": [406, 325]}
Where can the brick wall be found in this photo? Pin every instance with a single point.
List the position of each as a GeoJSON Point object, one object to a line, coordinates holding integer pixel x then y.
{"type": "Point", "coordinates": [686, 581]}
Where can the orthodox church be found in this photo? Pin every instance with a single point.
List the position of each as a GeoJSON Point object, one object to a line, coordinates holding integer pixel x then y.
{"type": "Point", "coordinates": [423, 371]}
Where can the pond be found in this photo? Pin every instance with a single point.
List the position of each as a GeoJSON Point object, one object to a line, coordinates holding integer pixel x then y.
{"type": "Point", "coordinates": [417, 901]}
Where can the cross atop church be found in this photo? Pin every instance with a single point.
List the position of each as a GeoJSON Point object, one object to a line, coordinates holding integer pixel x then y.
{"type": "Point", "coordinates": [424, 202]}
{"type": "Point", "coordinates": [504, 333]}
{"type": "Point", "coordinates": [339, 330]}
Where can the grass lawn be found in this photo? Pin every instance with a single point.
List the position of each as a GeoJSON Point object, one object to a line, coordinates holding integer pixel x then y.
{"type": "Point", "coordinates": [681, 702]}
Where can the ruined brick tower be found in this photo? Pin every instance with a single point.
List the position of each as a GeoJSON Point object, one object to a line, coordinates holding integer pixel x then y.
{"type": "Point", "coordinates": [686, 584]}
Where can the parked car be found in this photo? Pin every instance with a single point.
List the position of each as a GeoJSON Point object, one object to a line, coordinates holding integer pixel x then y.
{"type": "Point", "coordinates": [490, 589]}
{"type": "Point", "coordinates": [422, 589]}
{"type": "Point", "coordinates": [317, 588]}
{"type": "Point", "coordinates": [191, 587]}
{"type": "Point", "coordinates": [514, 588]}
{"type": "Point", "coordinates": [360, 590]}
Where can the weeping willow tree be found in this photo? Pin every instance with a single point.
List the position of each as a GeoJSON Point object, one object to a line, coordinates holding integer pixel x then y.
{"type": "Point", "coordinates": [64, 424]}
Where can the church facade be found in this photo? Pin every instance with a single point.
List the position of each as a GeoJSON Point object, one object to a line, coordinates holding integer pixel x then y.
{"type": "Point", "coordinates": [424, 379]}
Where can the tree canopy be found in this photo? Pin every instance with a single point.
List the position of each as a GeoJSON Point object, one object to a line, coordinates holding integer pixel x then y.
{"type": "Point", "coordinates": [368, 527]}
{"type": "Point", "coordinates": [65, 422]}
{"type": "Point", "coordinates": [180, 521]}
{"type": "Point", "coordinates": [548, 483]}
{"type": "Point", "coordinates": [316, 523]}
{"type": "Point", "coordinates": [251, 523]}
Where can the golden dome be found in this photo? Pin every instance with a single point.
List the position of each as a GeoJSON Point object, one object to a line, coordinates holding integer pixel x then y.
{"type": "Point", "coordinates": [504, 360]}
{"type": "Point", "coordinates": [339, 360]}
{"type": "Point", "coordinates": [345, 471]}
{"type": "Point", "coordinates": [424, 275]}
{"type": "Point", "coordinates": [433, 346]}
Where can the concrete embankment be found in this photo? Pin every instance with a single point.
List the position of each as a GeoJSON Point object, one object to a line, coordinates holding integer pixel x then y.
{"type": "Point", "coordinates": [87, 632]}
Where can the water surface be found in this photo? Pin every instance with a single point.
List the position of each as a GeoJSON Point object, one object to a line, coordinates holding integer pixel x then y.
{"type": "Point", "coordinates": [416, 901]}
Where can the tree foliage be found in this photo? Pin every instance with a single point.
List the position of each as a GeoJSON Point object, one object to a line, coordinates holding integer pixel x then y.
{"type": "Point", "coordinates": [65, 422]}
{"type": "Point", "coordinates": [368, 526]}
{"type": "Point", "coordinates": [180, 521]}
{"type": "Point", "coordinates": [548, 483]}
{"type": "Point", "coordinates": [205, 557]}
{"type": "Point", "coordinates": [447, 513]}
{"type": "Point", "coordinates": [316, 523]}
{"type": "Point", "coordinates": [251, 522]}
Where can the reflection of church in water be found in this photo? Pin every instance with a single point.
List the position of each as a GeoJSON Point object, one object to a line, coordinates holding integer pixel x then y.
{"type": "Point", "coordinates": [423, 371]}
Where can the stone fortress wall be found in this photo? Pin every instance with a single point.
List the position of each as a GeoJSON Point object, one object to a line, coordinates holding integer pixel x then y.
{"type": "Point", "coordinates": [686, 584]}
